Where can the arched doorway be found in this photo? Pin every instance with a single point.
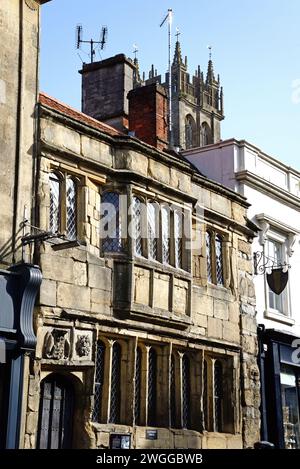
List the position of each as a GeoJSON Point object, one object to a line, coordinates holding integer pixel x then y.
{"type": "Point", "coordinates": [55, 429]}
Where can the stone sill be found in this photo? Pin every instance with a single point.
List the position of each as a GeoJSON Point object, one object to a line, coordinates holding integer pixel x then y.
{"type": "Point", "coordinates": [159, 316]}
{"type": "Point", "coordinates": [275, 316]}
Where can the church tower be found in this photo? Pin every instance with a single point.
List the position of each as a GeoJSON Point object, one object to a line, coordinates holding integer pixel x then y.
{"type": "Point", "coordinates": [197, 104]}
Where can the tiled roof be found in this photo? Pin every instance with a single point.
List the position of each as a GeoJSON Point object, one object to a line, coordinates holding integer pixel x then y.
{"type": "Point", "coordinates": [56, 105]}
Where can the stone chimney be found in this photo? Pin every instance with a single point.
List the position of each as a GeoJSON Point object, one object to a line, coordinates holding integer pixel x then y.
{"type": "Point", "coordinates": [105, 86]}
{"type": "Point", "coordinates": [148, 110]}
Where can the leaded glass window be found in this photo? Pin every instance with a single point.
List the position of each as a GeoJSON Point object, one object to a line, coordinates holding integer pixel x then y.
{"type": "Point", "coordinates": [152, 378]}
{"type": "Point", "coordinates": [218, 387]}
{"type": "Point", "coordinates": [110, 222]}
{"type": "Point", "coordinates": [219, 260]}
{"type": "Point", "coordinates": [165, 221]}
{"type": "Point", "coordinates": [186, 393]}
{"type": "Point", "coordinates": [137, 223]}
{"type": "Point", "coordinates": [205, 396]}
{"type": "Point", "coordinates": [138, 382]}
{"type": "Point", "coordinates": [71, 209]}
{"type": "Point", "coordinates": [208, 256]}
{"type": "Point", "coordinates": [178, 240]}
{"type": "Point", "coordinates": [173, 393]}
{"type": "Point", "coordinates": [99, 381]}
{"type": "Point", "coordinates": [152, 219]}
{"type": "Point", "coordinates": [55, 195]}
{"type": "Point", "coordinates": [115, 385]}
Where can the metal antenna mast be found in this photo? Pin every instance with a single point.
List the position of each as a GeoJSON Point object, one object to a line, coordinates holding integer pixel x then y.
{"type": "Point", "coordinates": [102, 42]}
{"type": "Point", "coordinates": [169, 18]}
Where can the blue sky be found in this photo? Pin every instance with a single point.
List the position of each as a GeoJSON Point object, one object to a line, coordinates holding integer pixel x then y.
{"type": "Point", "coordinates": [256, 50]}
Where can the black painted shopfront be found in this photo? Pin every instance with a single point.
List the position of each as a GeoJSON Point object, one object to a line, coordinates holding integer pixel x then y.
{"type": "Point", "coordinates": [18, 288]}
{"type": "Point", "coordinates": [279, 361]}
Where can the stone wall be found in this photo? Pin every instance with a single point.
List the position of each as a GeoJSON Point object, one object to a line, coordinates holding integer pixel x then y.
{"type": "Point", "coordinates": [86, 296]}
{"type": "Point", "coordinates": [19, 30]}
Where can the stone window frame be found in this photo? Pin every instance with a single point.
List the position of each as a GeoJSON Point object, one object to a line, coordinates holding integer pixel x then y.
{"type": "Point", "coordinates": [212, 261]}
{"type": "Point", "coordinates": [63, 177]}
{"type": "Point", "coordinates": [173, 255]}
{"type": "Point", "coordinates": [276, 230]}
{"type": "Point", "coordinates": [225, 422]}
{"type": "Point", "coordinates": [199, 389]}
{"type": "Point", "coordinates": [122, 240]}
{"type": "Point", "coordinates": [104, 416]}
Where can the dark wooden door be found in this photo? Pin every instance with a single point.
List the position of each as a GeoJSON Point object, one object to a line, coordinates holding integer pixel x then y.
{"type": "Point", "coordinates": [56, 413]}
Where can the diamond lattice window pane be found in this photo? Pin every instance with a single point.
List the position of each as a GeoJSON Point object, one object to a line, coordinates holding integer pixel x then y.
{"type": "Point", "coordinates": [110, 228]}
{"type": "Point", "coordinates": [115, 386]}
{"type": "Point", "coordinates": [219, 260]}
{"type": "Point", "coordinates": [178, 233]}
{"type": "Point", "coordinates": [99, 380]}
{"type": "Point", "coordinates": [186, 392]}
{"type": "Point", "coordinates": [173, 393]}
{"type": "Point", "coordinates": [152, 213]}
{"type": "Point", "coordinates": [218, 396]}
{"type": "Point", "coordinates": [54, 215]}
{"type": "Point", "coordinates": [208, 256]}
{"type": "Point", "coordinates": [165, 219]}
{"type": "Point", "coordinates": [71, 209]}
{"type": "Point", "coordinates": [138, 383]}
{"type": "Point", "coordinates": [152, 375]}
{"type": "Point", "coordinates": [137, 221]}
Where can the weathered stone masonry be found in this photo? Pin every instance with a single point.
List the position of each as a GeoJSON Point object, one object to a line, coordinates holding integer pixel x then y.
{"type": "Point", "coordinates": [88, 295]}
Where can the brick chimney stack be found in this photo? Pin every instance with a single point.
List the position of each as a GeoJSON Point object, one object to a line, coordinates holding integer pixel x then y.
{"type": "Point", "coordinates": [148, 111]}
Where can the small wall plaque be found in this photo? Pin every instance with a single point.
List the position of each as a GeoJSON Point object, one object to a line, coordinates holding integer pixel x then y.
{"type": "Point", "coordinates": [151, 434]}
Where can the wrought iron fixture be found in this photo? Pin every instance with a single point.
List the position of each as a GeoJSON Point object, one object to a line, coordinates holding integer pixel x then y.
{"type": "Point", "coordinates": [276, 272]}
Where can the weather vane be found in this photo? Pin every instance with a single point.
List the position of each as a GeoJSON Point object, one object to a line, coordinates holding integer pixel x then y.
{"type": "Point", "coordinates": [210, 51]}
{"type": "Point", "coordinates": [177, 34]}
{"type": "Point", "coordinates": [135, 51]}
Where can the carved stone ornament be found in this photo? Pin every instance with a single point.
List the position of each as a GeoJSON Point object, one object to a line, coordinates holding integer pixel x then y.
{"type": "Point", "coordinates": [32, 4]}
{"type": "Point", "coordinates": [56, 345]}
{"type": "Point", "coordinates": [83, 346]}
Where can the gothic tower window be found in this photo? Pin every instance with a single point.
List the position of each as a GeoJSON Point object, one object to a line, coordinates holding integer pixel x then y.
{"type": "Point", "coordinates": [99, 381]}
{"type": "Point", "coordinates": [152, 379]}
{"type": "Point", "coordinates": [115, 385]}
{"type": "Point", "coordinates": [206, 137]}
{"type": "Point", "coordinates": [110, 222]}
{"type": "Point", "coordinates": [190, 132]}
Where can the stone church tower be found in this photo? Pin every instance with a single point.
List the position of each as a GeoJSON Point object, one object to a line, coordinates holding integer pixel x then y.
{"type": "Point", "coordinates": [197, 104]}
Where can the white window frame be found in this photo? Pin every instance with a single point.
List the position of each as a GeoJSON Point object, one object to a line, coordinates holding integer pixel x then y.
{"type": "Point", "coordinates": [285, 315]}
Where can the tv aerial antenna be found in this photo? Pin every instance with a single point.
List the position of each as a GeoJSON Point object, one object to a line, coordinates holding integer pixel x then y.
{"type": "Point", "coordinates": [101, 43]}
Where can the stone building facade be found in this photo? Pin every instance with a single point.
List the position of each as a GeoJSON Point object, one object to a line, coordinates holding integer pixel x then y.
{"type": "Point", "coordinates": [152, 340]}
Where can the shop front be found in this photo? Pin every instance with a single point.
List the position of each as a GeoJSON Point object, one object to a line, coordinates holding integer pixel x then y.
{"type": "Point", "coordinates": [18, 289]}
{"type": "Point", "coordinates": [279, 362]}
